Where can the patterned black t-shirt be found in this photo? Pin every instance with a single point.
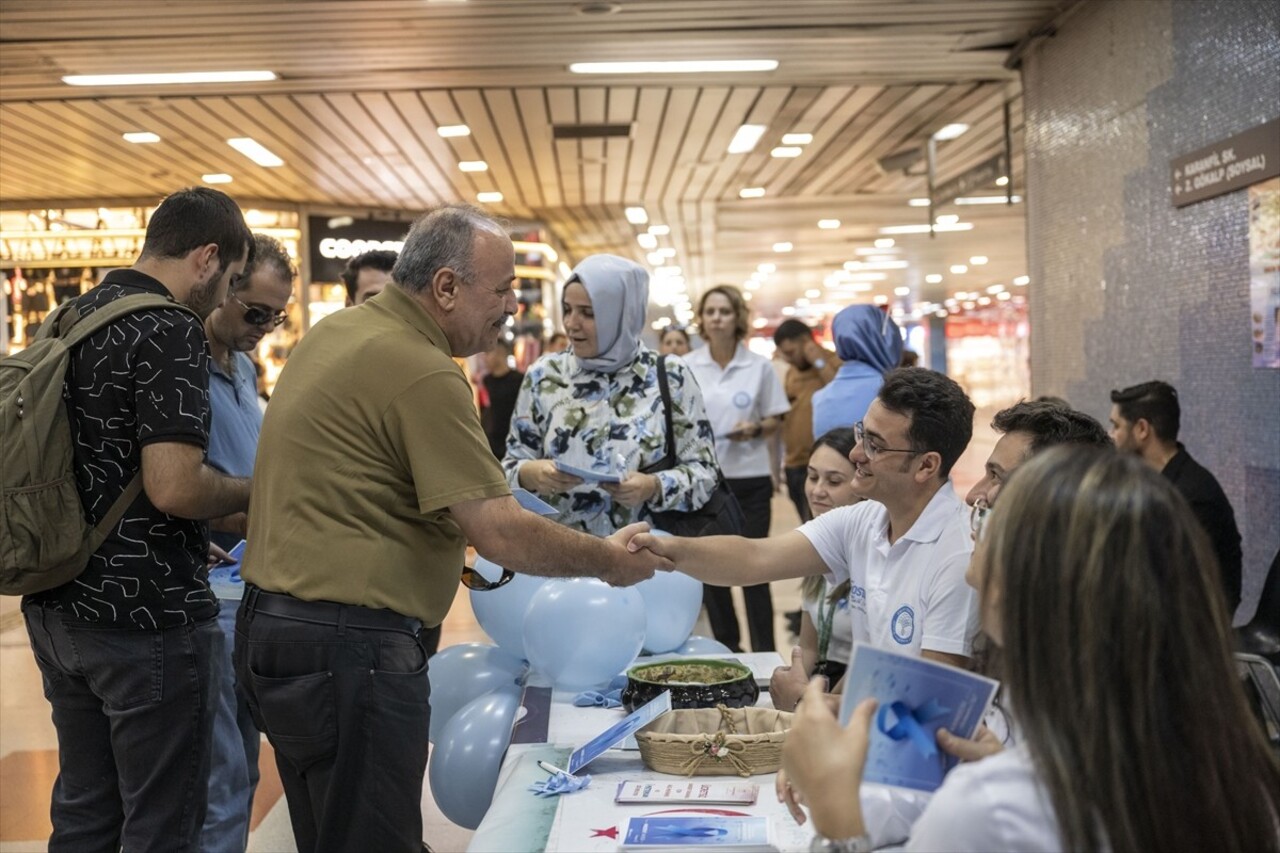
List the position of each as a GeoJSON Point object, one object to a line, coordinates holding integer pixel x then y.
{"type": "Point", "coordinates": [145, 378]}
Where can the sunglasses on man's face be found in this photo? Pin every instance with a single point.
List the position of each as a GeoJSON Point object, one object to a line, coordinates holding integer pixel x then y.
{"type": "Point", "coordinates": [472, 579]}
{"type": "Point", "coordinates": [260, 315]}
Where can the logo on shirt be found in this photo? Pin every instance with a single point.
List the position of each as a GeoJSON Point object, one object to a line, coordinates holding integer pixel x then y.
{"type": "Point", "coordinates": [857, 598]}
{"type": "Point", "coordinates": [903, 625]}
{"type": "Point", "coordinates": [742, 400]}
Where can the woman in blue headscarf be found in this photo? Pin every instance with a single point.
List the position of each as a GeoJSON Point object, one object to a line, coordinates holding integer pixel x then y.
{"type": "Point", "coordinates": [597, 409]}
{"type": "Point", "coordinates": [869, 344]}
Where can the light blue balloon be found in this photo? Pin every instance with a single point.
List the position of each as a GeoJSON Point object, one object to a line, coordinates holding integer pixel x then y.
{"type": "Point", "coordinates": [466, 759]}
{"type": "Point", "coordinates": [463, 672]}
{"type": "Point", "coordinates": [703, 646]}
{"type": "Point", "coordinates": [500, 611]}
{"type": "Point", "coordinates": [672, 602]}
{"type": "Point", "coordinates": [581, 632]}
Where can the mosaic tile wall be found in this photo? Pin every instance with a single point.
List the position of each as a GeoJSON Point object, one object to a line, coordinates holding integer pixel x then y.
{"type": "Point", "coordinates": [1125, 287]}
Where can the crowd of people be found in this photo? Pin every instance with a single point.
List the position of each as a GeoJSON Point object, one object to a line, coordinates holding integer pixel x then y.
{"type": "Point", "coordinates": [1093, 572]}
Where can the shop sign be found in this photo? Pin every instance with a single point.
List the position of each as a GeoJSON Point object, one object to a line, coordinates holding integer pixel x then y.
{"type": "Point", "coordinates": [1231, 164]}
{"type": "Point", "coordinates": [982, 175]}
{"type": "Point", "coordinates": [331, 248]}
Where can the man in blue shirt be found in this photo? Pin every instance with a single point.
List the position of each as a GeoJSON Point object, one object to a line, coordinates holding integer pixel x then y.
{"type": "Point", "coordinates": [254, 306]}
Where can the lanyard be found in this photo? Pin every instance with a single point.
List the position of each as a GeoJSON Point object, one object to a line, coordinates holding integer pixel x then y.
{"type": "Point", "coordinates": [826, 616]}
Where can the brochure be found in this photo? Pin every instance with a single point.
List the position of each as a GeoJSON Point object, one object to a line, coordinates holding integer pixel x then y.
{"type": "Point", "coordinates": [619, 731]}
{"type": "Point", "coordinates": [591, 475]}
{"type": "Point", "coordinates": [533, 503]}
{"type": "Point", "coordinates": [686, 791]}
{"type": "Point", "coordinates": [224, 578]}
{"type": "Point", "coordinates": [917, 697]}
{"type": "Point", "coordinates": [680, 832]}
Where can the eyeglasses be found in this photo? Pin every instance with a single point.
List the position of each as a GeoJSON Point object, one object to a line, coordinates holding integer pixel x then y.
{"type": "Point", "coordinates": [259, 315]}
{"type": "Point", "coordinates": [472, 579]}
{"type": "Point", "coordinates": [872, 451]}
{"type": "Point", "coordinates": [978, 517]}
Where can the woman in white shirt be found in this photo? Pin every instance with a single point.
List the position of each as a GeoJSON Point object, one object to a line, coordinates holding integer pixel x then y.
{"type": "Point", "coordinates": [1103, 592]}
{"type": "Point", "coordinates": [744, 400]}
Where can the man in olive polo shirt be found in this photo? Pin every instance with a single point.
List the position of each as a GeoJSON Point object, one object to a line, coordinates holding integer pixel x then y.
{"type": "Point", "coordinates": [372, 474]}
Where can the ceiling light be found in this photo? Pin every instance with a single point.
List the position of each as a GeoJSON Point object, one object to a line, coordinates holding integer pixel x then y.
{"type": "Point", "coordinates": [636, 215]}
{"type": "Point", "coordinates": [788, 311]}
{"type": "Point", "coordinates": [884, 243]}
{"type": "Point", "coordinates": [746, 138]}
{"type": "Point", "coordinates": [751, 192]}
{"type": "Point", "coordinates": [746, 297]}
{"type": "Point", "coordinates": [797, 138]}
{"type": "Point", "coordinates": [924, 229]}
{"type": "Point", "coordinates": [1022, 280]}
{"type": "Point", "coordinates": [654, 259]}
{"type": "Point", "coordinates": [659, 230]}
{"type": "Point", "coordinates": [449, 130]}
{"type": "Point", "coordinates": [255, 151]}
{"type": "Point", "coordinates": [876, 265]}
{"type": "Point", "coordinates": [786, 151]}
{"type": "Point", "coordinates": [828, 224]}
{"type": "Point", "coordinates": [881, 299]}
{"type": "Point", "coordinates": [168, 78]}
{"type": "Point", "coordinates": [950, 131]}
{"type": "Point", "coordinates": [995, 288]}
{"type": "Point", "coordinates": [803, 302]}
{"type": "Point", "coordinates": [667, 252]}
{"type": "Point", "coordinates": [868, 250]}
{"type": "Point", "coordinates": [759, 322]}
{"type": "Point", "coordinates": [918, 202]}
{"type": "Point", "coordinates": [473, 166]}
{"type": "Point", "coordinates": [489, 198]}
{"type": "Point", "coordinates": [141, 137]}
{"type": "Point", "coordinates": [978, 260]}
{"type": "Point", "coordinates": [1002, 181]}
{"type": "Point", "coordinates": [902, 291]}
{"type": "Point", "coordinates": [987, 199]}
{"type": "Point", "coordinates": [873, 259]}
{"type": "Point", "coordinates": [985, 300]}
{"type": "Point", "coordinates": [933, 278]}
{"type": "Point", "coordinates": [694, 66]}
{"type": "Point", "coordinates": [782, 247]}
{"type": "Point", "coordinates": [765, 269]}
{"type": "Point", "coordinates": [959, 269]}
{"type": "Point", "coordinates": [813, 294]}
{"type": "Point", "coordinates": [647, 241]}
{"type": "Point", "coordinates": [947, 219]}
{"type": "Point", "coordinates": [1004, 295]}
{"type": "Point", "coordinates": [216, 178]}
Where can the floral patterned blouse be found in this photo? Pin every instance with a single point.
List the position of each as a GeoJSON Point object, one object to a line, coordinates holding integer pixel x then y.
{"type": "Point", "coordinates": [589, 419]}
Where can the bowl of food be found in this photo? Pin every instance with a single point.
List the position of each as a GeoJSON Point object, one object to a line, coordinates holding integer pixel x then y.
{"type": "Point", "coordinates": [693, 682]}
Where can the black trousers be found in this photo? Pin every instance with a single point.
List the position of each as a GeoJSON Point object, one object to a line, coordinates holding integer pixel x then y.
{"type": "Point", "coordinates": [134, 715]}
{"type": "Point", "coordinates": [342, 694]}
{"type": "Point", "coordinates": [754, 495]}
{"type": "Point", "coordinates": [795, 489]}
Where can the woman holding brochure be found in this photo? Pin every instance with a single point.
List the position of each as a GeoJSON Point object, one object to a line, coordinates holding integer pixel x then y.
{"type": "Point", "coordinates": [1103, 593]}
{"type": "Point", "coordinates": [589, 421]}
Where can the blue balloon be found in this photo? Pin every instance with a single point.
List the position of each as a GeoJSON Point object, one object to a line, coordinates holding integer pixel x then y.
{"type": "Point", "coordinates": [703, 646]}
{"type": "Point", "coordinates": [672, 602]}
{"type": "Point", "coordinates": [581, 632]}
{"type": "Point", "coordinates": [463, 672]}
{"type": "Point", "coordinates": [466, 759]}
{"type": "Point", "coordinates": [500, 611]}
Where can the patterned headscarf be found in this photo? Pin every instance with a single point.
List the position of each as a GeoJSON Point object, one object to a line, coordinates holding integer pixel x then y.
{"type": "Point", "coordinates": [619, 293]}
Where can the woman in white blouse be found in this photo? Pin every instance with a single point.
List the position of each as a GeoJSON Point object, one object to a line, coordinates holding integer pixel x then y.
{"type": "Point", "coordinates": [1103, 592]}
{"type": "Point", "coordinates": [597, 408]}
{"type": "Point", "coordinates": [745, 401]}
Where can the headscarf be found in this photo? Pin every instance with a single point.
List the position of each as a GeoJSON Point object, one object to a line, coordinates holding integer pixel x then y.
{"type": "Point", "coordinates": [619, 293]}
{"type": "Point", "coordinates": [867, 334]}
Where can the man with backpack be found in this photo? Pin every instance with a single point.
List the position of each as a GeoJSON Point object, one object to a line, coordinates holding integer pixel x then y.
{"type": "Point", "coordinates": [125, 646]}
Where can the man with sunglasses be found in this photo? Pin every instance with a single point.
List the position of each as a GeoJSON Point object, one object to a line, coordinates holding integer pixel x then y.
{"type": "Point", "coordinates": [373, 474]}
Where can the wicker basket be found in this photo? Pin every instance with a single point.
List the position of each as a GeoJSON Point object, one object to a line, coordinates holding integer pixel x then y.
{"type": "Point", "coordinates": [716, 741]}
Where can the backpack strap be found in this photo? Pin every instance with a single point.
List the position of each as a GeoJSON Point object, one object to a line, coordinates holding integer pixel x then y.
{"type": "Point", "coordinates": [71, 327]}
{"type": "Point", "coordinates": [121, 505]}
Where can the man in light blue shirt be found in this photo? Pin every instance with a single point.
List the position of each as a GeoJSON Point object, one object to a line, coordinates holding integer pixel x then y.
{"type": "Point", "coordinates": [254, 306]}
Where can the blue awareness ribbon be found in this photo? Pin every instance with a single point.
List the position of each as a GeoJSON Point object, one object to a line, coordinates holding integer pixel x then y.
{"type": "Point", "coordinates": [560, 783]}
{"type": "Point", "coordinates": [909, 723]}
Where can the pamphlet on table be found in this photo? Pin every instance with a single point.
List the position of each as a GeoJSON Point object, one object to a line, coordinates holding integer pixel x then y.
{"type": "Point", "coordinates": [619, 731]}
{"type": "Point", "coordinates": [685, 791]}
{"type": "Point", "coordinates": [697, 832]}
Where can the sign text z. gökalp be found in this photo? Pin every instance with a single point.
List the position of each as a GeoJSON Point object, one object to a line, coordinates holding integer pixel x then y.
{"type": "Point", "coordinates": [1231, 164]}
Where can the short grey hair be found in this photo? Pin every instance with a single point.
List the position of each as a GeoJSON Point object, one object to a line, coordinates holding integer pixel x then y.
{"type": "Point", "coordinates": [267, 252]}
{"type": "Point", "coordinates": [442, 238]}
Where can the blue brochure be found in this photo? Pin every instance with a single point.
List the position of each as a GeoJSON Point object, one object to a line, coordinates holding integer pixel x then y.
{"type": "Point", "coordinates": [917, 697]}
{"type": "Point", "coordinates": [619, 731]}
{"type": "Point", "coordinates": [533, 503]}
{"type": "Point", "coordinates": [684, 832]}
{"type": "Point", "coordinates": [591, 475]}
{"type": "Point", "coordinates": [224, 578]}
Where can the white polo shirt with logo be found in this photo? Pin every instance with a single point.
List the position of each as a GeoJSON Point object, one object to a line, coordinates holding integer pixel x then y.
{"type": "Point", "coordinates": [746, 389]}
{"type": "Point", "coordinates": [910, 596]}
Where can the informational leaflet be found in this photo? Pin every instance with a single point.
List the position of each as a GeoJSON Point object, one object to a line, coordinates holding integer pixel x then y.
{"type": "Point", "coordinates": [685, 791]}
{"type": "Point", "coordinates": [619, 731]}
{"type": "Point", "coordinates": [591, 475]}
{"type": "Point", "coordinates": [697, 832]}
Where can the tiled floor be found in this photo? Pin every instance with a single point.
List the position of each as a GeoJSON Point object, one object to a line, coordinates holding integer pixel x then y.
{"type": "Point", "coordinates": [28, 745]}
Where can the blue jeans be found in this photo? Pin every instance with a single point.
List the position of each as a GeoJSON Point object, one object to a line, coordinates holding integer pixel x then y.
{"type": "Point", "coordinates": [233, 767]}
{"type": "Point", "coordinates": [131, 709]}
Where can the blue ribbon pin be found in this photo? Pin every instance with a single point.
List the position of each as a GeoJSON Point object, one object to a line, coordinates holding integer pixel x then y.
{"type": "Point", "coordinates": [909, 723]}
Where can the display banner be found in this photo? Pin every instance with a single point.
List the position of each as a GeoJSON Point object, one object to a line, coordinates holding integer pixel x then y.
{"type": "Point", "coordinates": [1264, 273]}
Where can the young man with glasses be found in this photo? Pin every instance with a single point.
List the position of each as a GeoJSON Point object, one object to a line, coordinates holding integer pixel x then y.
{"type": "Point", "coordinates": [904, 549]}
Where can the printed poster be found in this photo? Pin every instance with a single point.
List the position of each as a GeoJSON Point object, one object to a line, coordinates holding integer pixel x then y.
{"type": "Point", "coordinates": [1264, 272]}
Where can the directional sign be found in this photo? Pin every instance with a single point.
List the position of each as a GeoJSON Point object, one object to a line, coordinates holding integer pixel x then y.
{"type": "Point", "coordinates": [1231, 164]}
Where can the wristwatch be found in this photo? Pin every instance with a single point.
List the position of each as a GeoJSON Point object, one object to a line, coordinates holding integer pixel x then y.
{"type": "Point", "coordinates": [856, 844]}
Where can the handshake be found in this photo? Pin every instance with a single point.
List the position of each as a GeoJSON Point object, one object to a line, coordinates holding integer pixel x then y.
{"type": "Point", "coordinates": [639, 552]}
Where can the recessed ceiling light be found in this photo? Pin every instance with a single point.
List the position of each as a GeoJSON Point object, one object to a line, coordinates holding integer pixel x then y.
{"type": "Point", "coordinates": [751, 192]}
{"type": "Point", "coordinates": [947, 219]}
{"type": "Point", "coordinates": [933, 278]}
{"type": "Point", "coordinates": [884, 243]}
{"type": "Point", "coordinates": [654, 259]}
{"type": "Point", "coordinates": [141, 137]}
{"type": "Point", "coordinates": [667, 252]}
{"type": "Point", "coordinates": [918, 202]}
{"type": "Point", "coordinates": [766, 269]}
{"type": "Point", "coordinates": [1022, 280]}
{"type": "Point", "coordinates": [659, 230]}
{"type": "Point", "coordinates": [978, 260]}
{"type": "Point", "coordinates": [647, 242]}
{"type": "Point", "coordinates": [255, 151]}
{"type": "Point", "coordinates": [902, 291]}
{"type": "Point", "coordinates": [984, 300]}
{"type": "Point", "coordinates": [881, 299]}
{"type": "Point", "coordinates": [950, 131]}
{"type": "Point", "coordinates": [636, 215]}
{"type": "Point", "coordinates": [797, 138]}
{"type": "Point", "coordinates": [924, 229]}
{"type": "Point", "coordinates": [168, 78]}
{"type": "Point", "coordinates": [959, 269]}
{"type": "Point", "coordinates": [880, 258]}
{"type": "Point", "coordinates": [759, 322]}
{"type": "Point", "coordinates": [995, 288]}
{"type": "Point", "coordinates": [784, 151]}
{"type": "Point", "coordinates": [1004, 295]}
{"type": "Point", "coordinates": [216, 178]}
{"type": "Point", "coordinates": [828, 224]}
{"type": "Point", "coordinates": [449, 130]}
{"type": "Point", "coordinates": [884, 265]}
{"type": "Point", "coordinates": [489, 198]}
{"type": "Point", "coordinates": [746, 138]}
{"type": "Point", "coordinates": [782, 247]}
{"type": "Point", "coordinates": [746, 297]}
{"type": "Point", "coordinates": [987, 199]}
{"type": "Point", "coordinates": [679, 66]}
{"type": "Point", "coordinates": [1002, 181]}
{"type": "Point", "coordinates": [788, 311]}
{"type": "Point", "coordinates": [473, 166]}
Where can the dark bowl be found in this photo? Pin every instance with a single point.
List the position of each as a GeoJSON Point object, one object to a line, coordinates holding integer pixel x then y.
{"type": "Point", "coordinates": [693, 682]}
